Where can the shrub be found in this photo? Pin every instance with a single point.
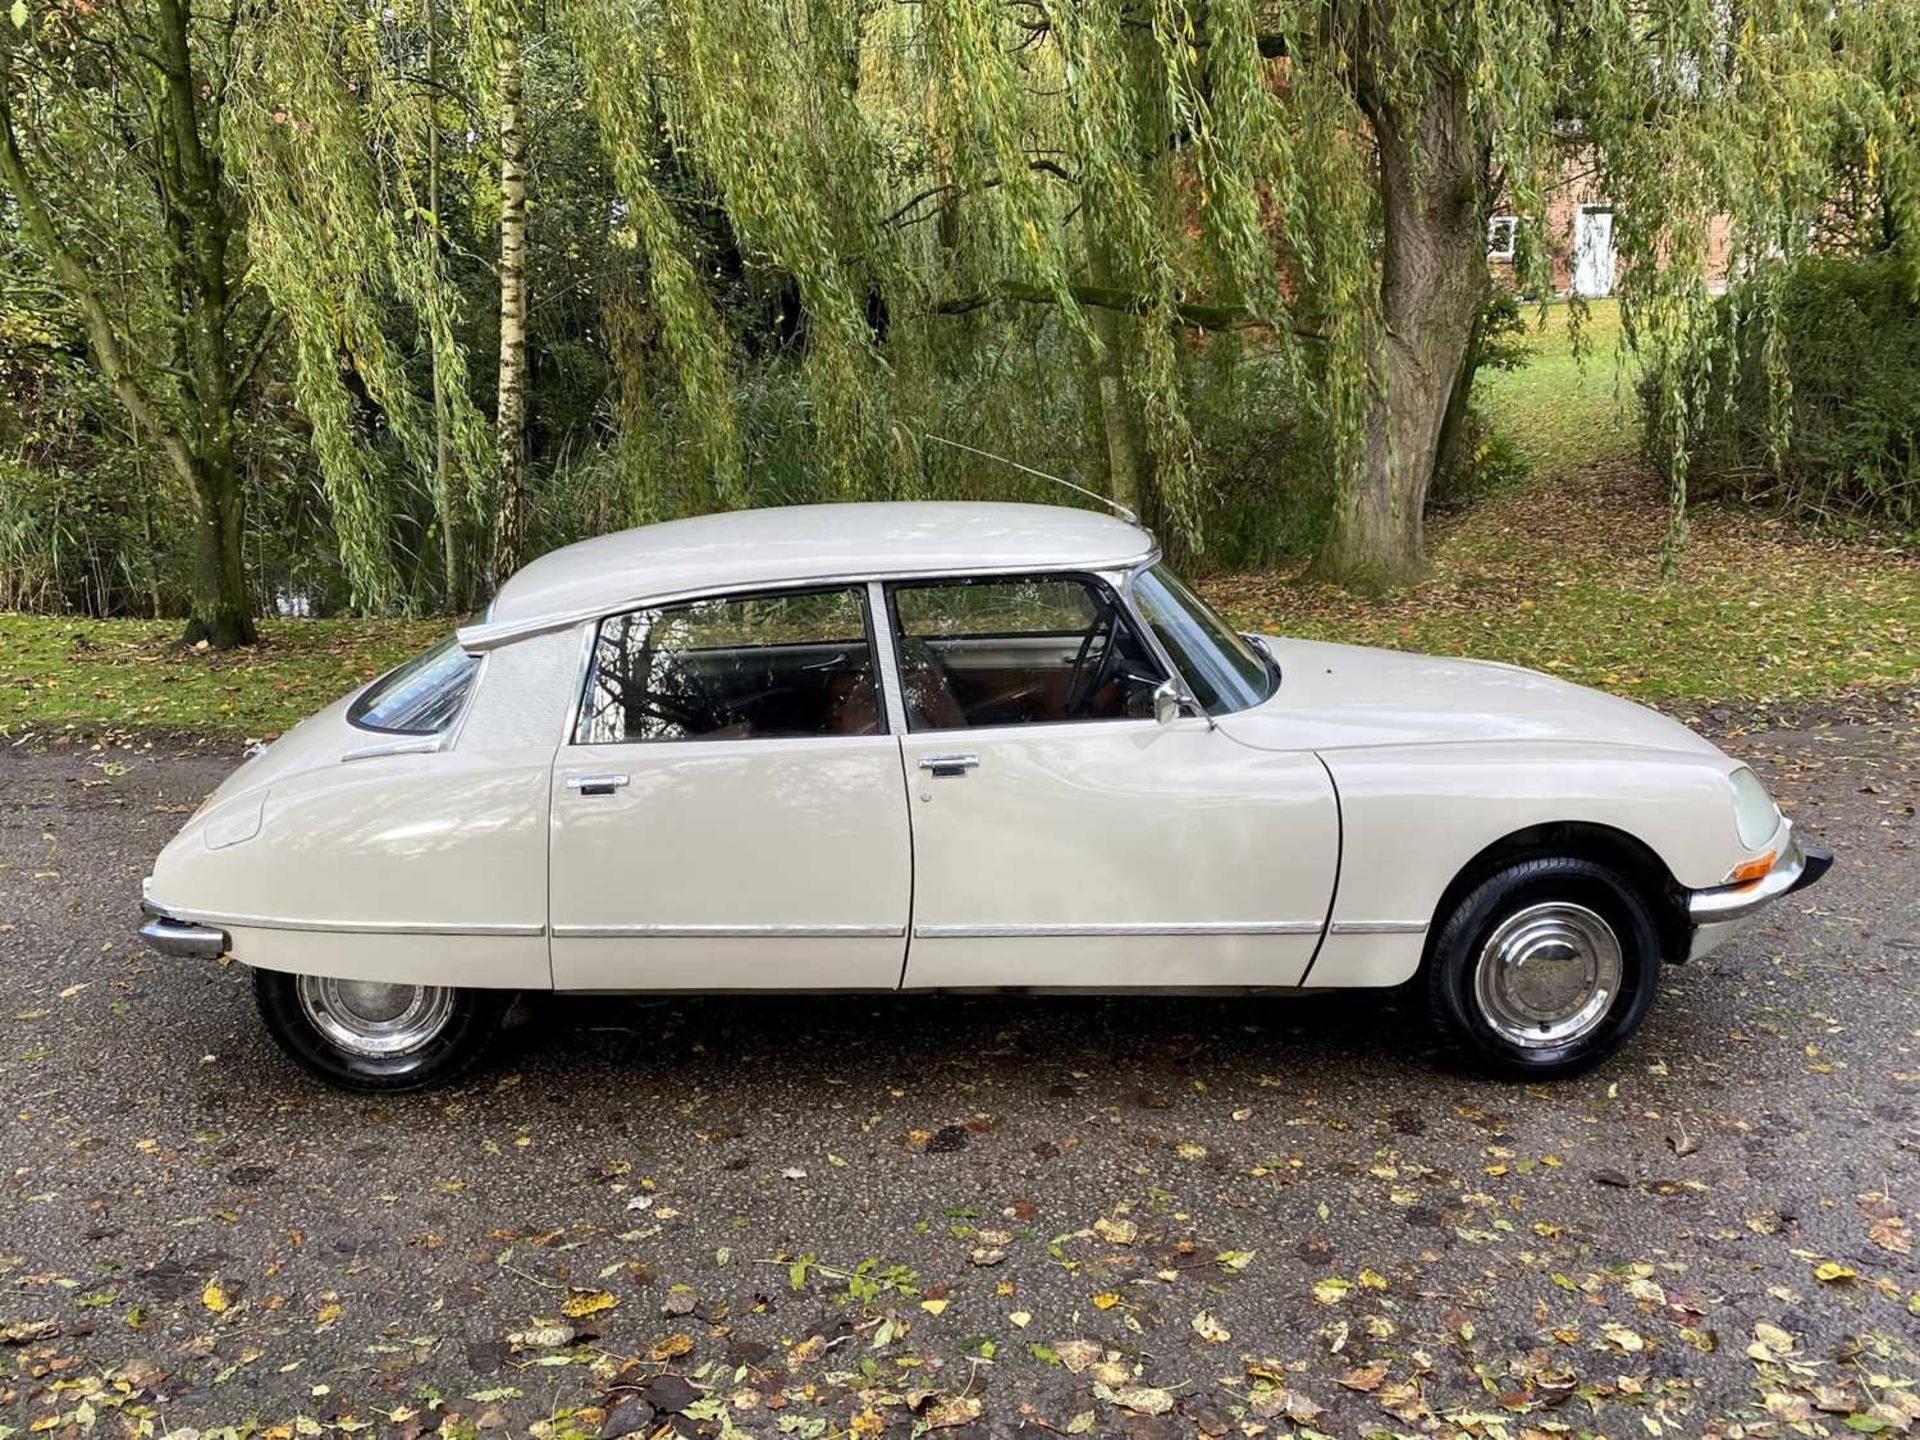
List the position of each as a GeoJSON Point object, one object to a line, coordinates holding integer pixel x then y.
{"type": "Point", "coordinates": [1848, 452]}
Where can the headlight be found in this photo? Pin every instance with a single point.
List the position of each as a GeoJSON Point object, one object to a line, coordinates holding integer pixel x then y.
{"type": "Point", "coordinates": [1755, 816]}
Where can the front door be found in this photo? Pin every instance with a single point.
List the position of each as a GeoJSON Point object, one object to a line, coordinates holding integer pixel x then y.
{"type": "Point", "coordinates": [1064, 838]}
{"type": "Point", "coordinates": [729, 812]}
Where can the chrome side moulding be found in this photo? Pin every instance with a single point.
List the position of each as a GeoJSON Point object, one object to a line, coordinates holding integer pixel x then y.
{"type": "Point", "coordinates": [342, 927]}
{"type": "Point", "coordinates": [1174, 927]}
{"type": "Point", "coordinates": [1800, 864]}
{"type": "Point", "coordinates": [728, 932]}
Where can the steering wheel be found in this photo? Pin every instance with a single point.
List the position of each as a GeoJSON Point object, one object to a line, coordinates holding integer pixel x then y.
{"type": "Point", "coordinates": [1081, 687]}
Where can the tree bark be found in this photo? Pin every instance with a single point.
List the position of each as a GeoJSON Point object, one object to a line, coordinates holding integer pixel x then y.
{"type": "Point", "coordinates": [1449, 454]}
{"type": "Point", "coordinates": [511, 410]}
{"type": "Point", "coordinates": [1433, 281]}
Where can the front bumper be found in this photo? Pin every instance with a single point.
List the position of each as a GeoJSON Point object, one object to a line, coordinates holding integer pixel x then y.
{"type": "Point", "coordinates": [181, 939]}
{"type": "Point", "coordinates": [1799, 865]}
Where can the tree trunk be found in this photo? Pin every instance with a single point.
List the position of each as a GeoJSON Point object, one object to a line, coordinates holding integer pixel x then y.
{"type": "Point", "coordinates": [453, 584]}
{"type": "Point", "coordinates": [201, 227]}
{"type": "Point", "coordinates": [1449, 455]}
{"type": "Point", "coordinates": [1126, 451]}
{"type": "Point", "coordinates": [222, 608]}
{"type": "Point", "coordinates": [1433, 280]}
{"type": "Point", "coordinates": [511, 411]}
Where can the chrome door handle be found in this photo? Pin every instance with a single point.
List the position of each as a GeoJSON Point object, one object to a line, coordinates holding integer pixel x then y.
{"type": "Point", "coordinates": [596, 784]}
{"type": "Point", "coordinates": [949, 766]}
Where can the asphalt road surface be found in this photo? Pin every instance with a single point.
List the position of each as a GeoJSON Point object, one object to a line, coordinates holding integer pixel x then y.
{"type": "Point", "coordinates": [818, 1217]}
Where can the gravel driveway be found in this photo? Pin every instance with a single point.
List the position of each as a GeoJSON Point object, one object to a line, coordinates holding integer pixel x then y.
{"type": "Point", "coordinates": [809, 1217]}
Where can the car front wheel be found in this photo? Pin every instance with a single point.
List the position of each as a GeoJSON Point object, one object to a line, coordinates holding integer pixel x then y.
{"type": "Point", "coordinates": [367, 1035]}
{"type": "Point", "coordinates": [1544, 967]}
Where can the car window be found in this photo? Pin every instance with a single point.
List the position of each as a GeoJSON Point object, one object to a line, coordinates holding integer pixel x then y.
{"type": "Point", "coordinates": [421, 697]}
{"type": "Point", "coordinates": [1018, 651]}
{"type": "Point", "coordinates": [1220, 666]}
{"type": "Point", "coordinates": [733, 669]}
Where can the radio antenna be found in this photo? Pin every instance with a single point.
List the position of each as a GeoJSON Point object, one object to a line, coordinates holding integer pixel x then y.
{"type": "Point", "coordinates": [1114, 505]}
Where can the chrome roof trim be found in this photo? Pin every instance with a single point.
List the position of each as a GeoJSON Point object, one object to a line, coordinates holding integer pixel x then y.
{"type": "Point", "coordinates": [490, 635]}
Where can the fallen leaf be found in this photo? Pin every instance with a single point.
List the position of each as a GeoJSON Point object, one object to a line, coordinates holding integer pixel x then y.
{"type": "Point", "coordinates": [1365, 1378]}
{"type": "Point", "coordinates": [1210, 1329]}
{"type": "Point", "coordinates": [670, 1348]}
{"type": "Point", "coordinates": [582, 1303]}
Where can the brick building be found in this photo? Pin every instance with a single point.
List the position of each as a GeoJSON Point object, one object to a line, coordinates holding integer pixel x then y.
{"type": "Point", "coordinates": [1580, 237]}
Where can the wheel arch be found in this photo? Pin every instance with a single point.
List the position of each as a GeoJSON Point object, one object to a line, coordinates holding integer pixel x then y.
{"type": "Point", "coordinates": [1620, 851]}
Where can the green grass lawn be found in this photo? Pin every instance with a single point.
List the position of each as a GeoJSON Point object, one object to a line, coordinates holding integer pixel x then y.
{"type": "Point", "coordinates": [1565, 408]}
{"type": "Point", "coordinates": [1561, 573]}
{"type": "Point", "coordinates": [59, 674]}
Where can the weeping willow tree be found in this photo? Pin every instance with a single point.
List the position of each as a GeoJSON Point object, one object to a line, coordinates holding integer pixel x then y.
{"type": "Point", "coordinates": [1296, 185]}
{"type": "Point", "coordinates": [1314, 175]}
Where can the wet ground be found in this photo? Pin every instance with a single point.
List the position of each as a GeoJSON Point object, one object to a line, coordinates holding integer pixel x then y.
{"type": "Point", "coordinates": [810, 1217]}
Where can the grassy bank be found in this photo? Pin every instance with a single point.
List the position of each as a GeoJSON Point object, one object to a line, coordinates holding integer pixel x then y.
{"type": "Point", "coordinates": [1561, 574]}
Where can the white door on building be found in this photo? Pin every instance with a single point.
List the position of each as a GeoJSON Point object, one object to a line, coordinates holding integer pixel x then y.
{"type": "Point", "coordinates": [1593, 250]}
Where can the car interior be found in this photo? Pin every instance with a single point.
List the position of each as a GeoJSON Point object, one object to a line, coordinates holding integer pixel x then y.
{"type": "Point", "coordinates": [1073, 657]}
{"type": "Point", "coordinates": [971, 654]}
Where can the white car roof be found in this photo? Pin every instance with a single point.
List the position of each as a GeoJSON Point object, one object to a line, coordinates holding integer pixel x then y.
{"type": "Point", "coordinates": [742, 549]}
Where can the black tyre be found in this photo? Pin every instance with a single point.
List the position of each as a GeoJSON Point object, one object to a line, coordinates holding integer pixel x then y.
{"type": "Point", "coordinates": [1544, 967]}
{"type": "Point", "coordinates": [361, 1035]}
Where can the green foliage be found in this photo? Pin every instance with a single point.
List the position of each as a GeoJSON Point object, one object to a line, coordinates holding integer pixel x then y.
{"type": "Point", "coordinates": [775, 241]}
{"type": "Point", "coordinates": [1818, 414]}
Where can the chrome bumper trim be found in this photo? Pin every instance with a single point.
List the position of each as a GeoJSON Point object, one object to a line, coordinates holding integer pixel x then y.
{"type": "Point", "coordinates": [1799, 865]}
{"type": "Point", "coordinates": [184, 941]}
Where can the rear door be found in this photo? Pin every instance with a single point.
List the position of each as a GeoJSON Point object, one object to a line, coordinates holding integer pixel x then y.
{"type": "Point", "coordinates": [1063, 838]}
{"type": "Point", "coordinates": [730, 810]}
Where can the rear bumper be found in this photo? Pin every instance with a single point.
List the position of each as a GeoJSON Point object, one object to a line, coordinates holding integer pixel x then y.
{"type": "Point", "coordinates": [183, 940]}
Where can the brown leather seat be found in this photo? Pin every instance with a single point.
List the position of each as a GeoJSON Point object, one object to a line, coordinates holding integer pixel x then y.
{"type": "Point", "coordinates": [852, 707]}
{"type": "Point", "coordinates": [923, 683]}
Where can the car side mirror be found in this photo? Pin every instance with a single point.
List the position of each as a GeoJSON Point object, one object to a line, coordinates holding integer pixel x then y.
{"type": "Point", "coordinates": [1168, 703]}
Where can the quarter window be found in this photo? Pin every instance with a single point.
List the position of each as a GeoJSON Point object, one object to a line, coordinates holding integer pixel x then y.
{"type": "Point", "coordinates": [422, 697]}
{"type": "Point", "coordinates": [790, 664]}
{"type": "Point", "coordinates": [1020, 651]}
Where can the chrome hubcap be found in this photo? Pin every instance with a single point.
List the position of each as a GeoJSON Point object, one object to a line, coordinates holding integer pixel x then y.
{"type": "Point", "coordinates": [372, 1019]}
{"type": "Point", "coordinates": [1548, 974]}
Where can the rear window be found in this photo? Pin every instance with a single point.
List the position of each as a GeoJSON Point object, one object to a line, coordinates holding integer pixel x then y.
{"type": "Point", "coordinates": [422, 697]}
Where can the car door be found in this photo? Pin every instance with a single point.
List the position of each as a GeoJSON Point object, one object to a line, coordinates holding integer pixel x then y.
{"type": "Point", "coordinates": [1062, 836]}
{"type": "Point", "coordinates": [730, 811]}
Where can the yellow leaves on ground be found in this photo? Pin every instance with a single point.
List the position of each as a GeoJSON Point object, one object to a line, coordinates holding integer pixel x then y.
{"type": "Point", "coordinates": [671, 1347]}
{"type": "Point", "coordinates": [582, 1303]}
{"type": "Point", "coordinates": [215, 1298]}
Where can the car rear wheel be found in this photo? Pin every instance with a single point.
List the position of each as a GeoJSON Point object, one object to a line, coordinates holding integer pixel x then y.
{"type": "Point", "coordinates": [1544, 967]}
{"type": "Point", "coordinates": [367, 1035]}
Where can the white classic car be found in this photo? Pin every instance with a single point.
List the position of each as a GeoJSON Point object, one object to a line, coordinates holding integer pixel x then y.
{"type": "Point", "coordinates": [936, 746]}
